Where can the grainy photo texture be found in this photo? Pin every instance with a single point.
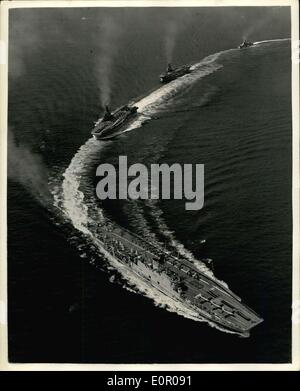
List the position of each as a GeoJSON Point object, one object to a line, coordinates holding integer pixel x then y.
{"type": "Point", "coordinates": [150, 185]}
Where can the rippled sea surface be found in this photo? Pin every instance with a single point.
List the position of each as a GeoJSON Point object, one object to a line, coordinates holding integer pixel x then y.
{"type": "Point", "coordinates": [67, 303]}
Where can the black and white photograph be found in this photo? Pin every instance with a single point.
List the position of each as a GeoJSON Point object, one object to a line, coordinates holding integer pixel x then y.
{"type": "Point", "coordinates": [150, 183]}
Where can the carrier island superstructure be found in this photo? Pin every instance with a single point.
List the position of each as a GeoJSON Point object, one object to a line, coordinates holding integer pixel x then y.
{"type": "Point", "coordinates": [178, 279]}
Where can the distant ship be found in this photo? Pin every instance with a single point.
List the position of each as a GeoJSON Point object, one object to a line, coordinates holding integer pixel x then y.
{"type": "Point", "coordinates": [245, 44]}
{"type": "Point", "coordinates": [174, 73]}
{"type": "Point", "coordinates": [113, 123]}
{"type": "Point", "coordinates": [178, 279]}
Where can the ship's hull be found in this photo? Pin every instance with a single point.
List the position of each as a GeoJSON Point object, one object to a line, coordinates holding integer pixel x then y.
{"type": "Point", "coordinates": [178, 72]}
{"type": "Point", "coordinates": [114, 133]}
{"type": "Point", "coordinates": [206, 297]}
{"type": "Point", "coordinates": [176, 298]}
{"type": "Point", "coordinates": [111, 129]}
{"type": "Point", "coordinates": [173, 297]}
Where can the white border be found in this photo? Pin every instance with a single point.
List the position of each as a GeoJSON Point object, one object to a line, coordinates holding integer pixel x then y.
{"type": "Point", "coordinates": [4, 365]}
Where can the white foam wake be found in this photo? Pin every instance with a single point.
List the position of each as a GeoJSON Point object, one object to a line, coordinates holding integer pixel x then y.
{"type": "Point", "coordinates": [158, 98]}
{"type": "Point", "coordinates": [82, 210]}
{"type": "Point", "coordinates": [76, 208]}
{"type": "Point", "coordinates": [79, 207]}
{"type": "Point", "coordinates": [157, 213]}
{"type": "Point", "coordinates": [271, 40]}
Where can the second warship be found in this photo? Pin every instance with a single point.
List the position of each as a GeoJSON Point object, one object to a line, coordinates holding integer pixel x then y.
{"type": "Point", "coordinates": [174, 73]}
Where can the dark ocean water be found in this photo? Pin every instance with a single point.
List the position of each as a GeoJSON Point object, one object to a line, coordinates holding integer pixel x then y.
{"type": "Point", "coordinates": [233, 114]}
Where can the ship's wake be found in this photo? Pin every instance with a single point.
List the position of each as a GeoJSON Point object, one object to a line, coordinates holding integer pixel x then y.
{"type": "Point", "coordinates": [271, 40]}
{"type": "Point", "coordinates": [163, 96]}
{"type": "Point", "coordinates": [181, 250]}
{"type": "Point", "coordinates": [76, 199]}
{"type": "Point", "coordinates": [79, 207]}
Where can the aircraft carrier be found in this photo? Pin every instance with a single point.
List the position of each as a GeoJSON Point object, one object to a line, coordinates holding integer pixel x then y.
{"type": "Point", "coordinates": [178, 279]}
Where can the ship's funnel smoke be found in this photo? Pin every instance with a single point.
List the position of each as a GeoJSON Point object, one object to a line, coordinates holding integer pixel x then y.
{"type": "Point", "coordinates": [109, 33]}
{"type": "Point", "coordinates": [170, 39]}
{"type": "Point", "coordinates": [260, 23]}
{"type": "Point", "coordinates": [27, 168]}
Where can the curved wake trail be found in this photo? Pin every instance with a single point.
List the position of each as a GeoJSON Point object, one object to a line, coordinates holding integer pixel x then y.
{"type": "Point", "coordinates": [148, 105]}
{"type": "Point", "coordinates": [77, 201]}
{"type": "Point", "coordinates": [157, 213]}
{"type": "Point", "coordinates": [75, 204]}
{"type": "Point", "coordinates": [160, 98]}
{"type": "Point", "coordinates": [78, 208]}
{"type": "Point", "coordinates": [271, 40]}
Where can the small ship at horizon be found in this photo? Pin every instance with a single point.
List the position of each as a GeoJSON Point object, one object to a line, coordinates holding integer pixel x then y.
{"type": "Point", "coordinates": [173, 73]}
{"type": "Point", "coordinates": [245, 44]}
{"type": "Point", "coordinates": [178, 279]}
{"type": "Point", "coordinates": [112, 124]}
